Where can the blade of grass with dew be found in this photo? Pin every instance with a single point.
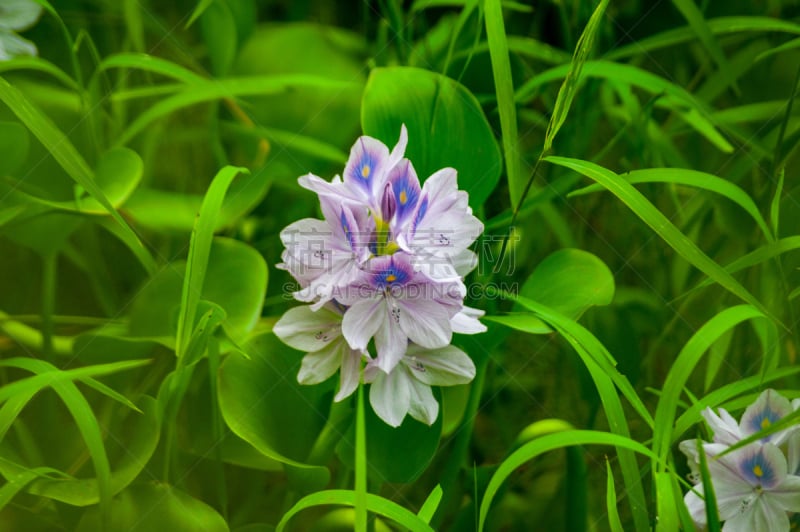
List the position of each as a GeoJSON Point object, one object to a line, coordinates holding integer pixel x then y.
{"type": "Point", "coordinates": [70, 160]}
{"type": "Point", "coordinates": [361, 465]}
{"type": "Point", "coordinates": [699, 26]}
{"type": "Point", "coordinates": [209, 90]}
{"type": "Point", "coordinates": [547, 443]}
{"type": "Point", "coordinates": [375, 504]}
{"type": "Point", "coordinates": [504, 88]}
{"type": "Point", "coordinates": [691, 178]}
{"type": "Point", "coordinates": [614, 522]}
{"type": "Point", "coordinates": [199, 250]}
{"type": "Point", "coordinates": [659, 223]}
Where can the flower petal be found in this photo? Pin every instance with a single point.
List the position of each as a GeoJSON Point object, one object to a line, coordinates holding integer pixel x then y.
{"type": "Point", "coordinates": [349, 373]}
{"type": "Point", "coordinates": [447, 366]}
{"type": "Point", "coordinates": [423, 405]}
{"type": "Point", "coordinates": [390, 342]}
{"type": "Point", "coordinates": [426, 322]}
{"type": "Point", "coordinates": [390, 397]}
{"type": "Point", "coordinates": [319, 366]}
{"type": "Point", "coordinates": [19, 14]}
{"type": "Point", "coordinates": [787, 495]}
{"type": "Point", "coordinates": [725, 428]}
{"type": "Point", "coordinates": [12, 45]}
{"type": "Point", "coordinates": [696, 504]}
{"type": "Point", "coordinates": [305, 330]}
{"type": "Point", "coordinates": [768, 408]}
{"type": "Point", "coordinates": [466, 321]}
{"type": "Point", "coordinates": [362, 320]}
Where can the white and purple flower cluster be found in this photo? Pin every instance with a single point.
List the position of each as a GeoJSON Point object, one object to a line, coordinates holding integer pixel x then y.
{"type": "Point", "coordinates": [385, 265]}
{"type": "Point", "coordinates": [757, 486]}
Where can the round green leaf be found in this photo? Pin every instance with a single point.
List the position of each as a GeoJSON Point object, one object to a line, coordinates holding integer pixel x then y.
{"type": "Point", "coordinates": [149, 507]}
{"type": "Point", "coordinates": [262, 402]}
{"type": "Point", "coordinates": [568, 281]}
{"type": "Point", "coordinates": [446, 126]}
{"type": "Point", "coordinates": [14, 145]}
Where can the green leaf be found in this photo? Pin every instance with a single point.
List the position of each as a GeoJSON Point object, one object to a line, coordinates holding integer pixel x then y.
{"type": "Point", "coordinates": [131, 444]}
{"type": "Point", "coordinates": [504, 86]}
{"type": "Point", "coordinates": [431, 504]}
{"type": "Point", "coordinates": [446, 126]}
{"type": "Point", "coordinates": [199, 250]}
{"type": "Point", "coordinates": [692, 178]}
{"type": "Point", "coordinates": [659, 223]}
{"type": "Point", "coordinates": [151, 506]}
{"type": "Point", "coordinates": [549, 442]}
{"type": "Point", "coordinates": [375, 504]}
{"type": "Point", "coordinates": [66, 155]}
{"type": "Point", "coordinates": [14, 145]}
{"type": "Point", "coordinates": [569, 281]}
{"type": "Point", "coordinates": [219, 33]}
{"type": "Point", "coordinates": [614, 522]}
{"type": "Point", "coordinates": [570, 85]}
{"type": "Point", "coordinates": [361, 465]}
{"type": "Point", "coordinates": [259, 398]}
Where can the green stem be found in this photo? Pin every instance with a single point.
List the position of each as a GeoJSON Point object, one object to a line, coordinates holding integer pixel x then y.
{"type": "Point", "coordinates": [49, 274]}
{"type": "Point", "coordinates": [361, 465]}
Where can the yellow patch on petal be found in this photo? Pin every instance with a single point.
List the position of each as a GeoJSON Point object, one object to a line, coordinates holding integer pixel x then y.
{"type": "Point", "coordinates": [765, 423]}
{"type": "Point", "coordinates": [391, 278]}
{"type": "Point", "coordinates": [757, 471]}
{"type": "Point", "coordinates": [403, 197]}
{"type": "Point", "coordinates": [365, 170]}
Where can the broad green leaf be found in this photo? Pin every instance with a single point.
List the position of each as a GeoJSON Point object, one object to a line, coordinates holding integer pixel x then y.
{"type": "Point", "coordinates": [375, 504]}
{"type": "Point", "coordinates": [546, 443]}
{"type": "Point", "coordinates": [152, 506]}
{"type": "Point", "coordinates": [14, 145]}
{"type": "Point", "coordinates": [199, 250]}
{"type": "Point", "coordinates": [262, 402]}
{"type": "Point", "coordinates": [446, 126]}
{"type": "Point", "coordinates": [692, 178]}
{"type": "Point", "coordinates": [569, 281]}
{"type": "Point", "coordinates": [659, 223]}
{"type": "Point", "coordinates": [570, 85]}
{"type": "Point", "coordinates": [504, 87]}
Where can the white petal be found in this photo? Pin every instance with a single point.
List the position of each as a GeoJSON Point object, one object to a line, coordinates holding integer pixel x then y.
{"type": "Point", "coordinates": [787, 495]}
{"type": "Point", "coordinates": [19, 14]}
{"type": "Point", "coordinates": [318, 367]}
{"type": "Point", "coordinates": [466, 321]}
{"type": "Point", "coordinates": [794, 454]}
{"type": "Point", "coordinates": [391, 344]}
{"type": "Point", "coordinates": [305, 330]}
{"type": "Point", "coordinates": [696, 504]}
{"type": "Point", "coordinates": [724, 427]}
{"type": "Point", "coordinates": [447, 366]}
{"type": "Point", "coordinates": [423, 406]}
{"type": "Point", "coordinates": [768, 408]}
{"type": "Point", "coordinates": [400, 148]}
{"type": "Point", "coordinates": [362, 320]}
{"type": "Point", "coordinates": [390, 397]}
{"type": "Point", "coordinates": [12, 45]}
{"type": "Point", "coordinates": [425, 322]}
{"type": "Point", "coordinates": [350, 373]}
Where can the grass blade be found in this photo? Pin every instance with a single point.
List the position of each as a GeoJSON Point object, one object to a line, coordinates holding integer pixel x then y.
{"type": "Point", "coordinates": [361, 465]}
{"type": "Point", "coordinates": [659, 223]}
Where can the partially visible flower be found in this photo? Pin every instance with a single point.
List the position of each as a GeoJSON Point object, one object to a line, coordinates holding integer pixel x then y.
{"type": "Point", "coordinates": [752, 486]}
{"type": "Point", "coordinates": [768, 408]}
{"type": "Point", "coordinates": [320, 335]}
{"type": "Point", "coordinates": [407, 389]}
{"type": "Point", "coordinates": [17, 15]}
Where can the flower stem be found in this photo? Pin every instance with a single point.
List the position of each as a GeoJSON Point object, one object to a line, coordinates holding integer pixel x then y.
{"type": "Point", "coordinates": [361, 464]}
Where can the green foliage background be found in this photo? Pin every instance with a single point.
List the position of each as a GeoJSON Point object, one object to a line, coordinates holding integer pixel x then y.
{"type": "Point", "coordinates": [633, 163]}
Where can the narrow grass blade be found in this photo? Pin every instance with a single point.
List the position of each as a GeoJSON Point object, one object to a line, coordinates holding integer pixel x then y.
{"type": "Point", "coordinates": [199, 250]}
{"type": "Point", "coordinates": [431, 504]}
{"type": "Point", "coordinates": [361, 465]}
{"type": "Point", "coordinates": [614, 522]}
{"type": "Point", "coordinates": [375, 504]}
{"type": "Point", "coordinates": [504, 87]}
{"type": "Point", "coordinates": [546, 443]}
{"type": "Point", "coordinates": [659, 223]}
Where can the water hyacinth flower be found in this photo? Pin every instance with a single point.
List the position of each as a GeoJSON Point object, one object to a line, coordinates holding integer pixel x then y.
{"type": "Point", "coordinates": [757, 486]}
{"type": "Point", "coordinates": [17, 15]}
{"type": "Point", "coordinates": [384, 267]}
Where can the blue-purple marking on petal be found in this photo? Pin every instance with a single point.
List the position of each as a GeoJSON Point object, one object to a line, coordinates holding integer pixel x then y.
{"type": "Point", "coordinates": [406, 190]}
{"type": "Point", "coordinates": [421, 210]}
{"type": "Point", "coordinates": [393, 274]}
{"type": "Point", "coordinates": [364, 168]}
{"type": "Point", "coordinates": [348, 231]}
{"type": "Point", "coordinates": [763, 419]}
{"type": "Point", "coordinates": [758, 470]}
